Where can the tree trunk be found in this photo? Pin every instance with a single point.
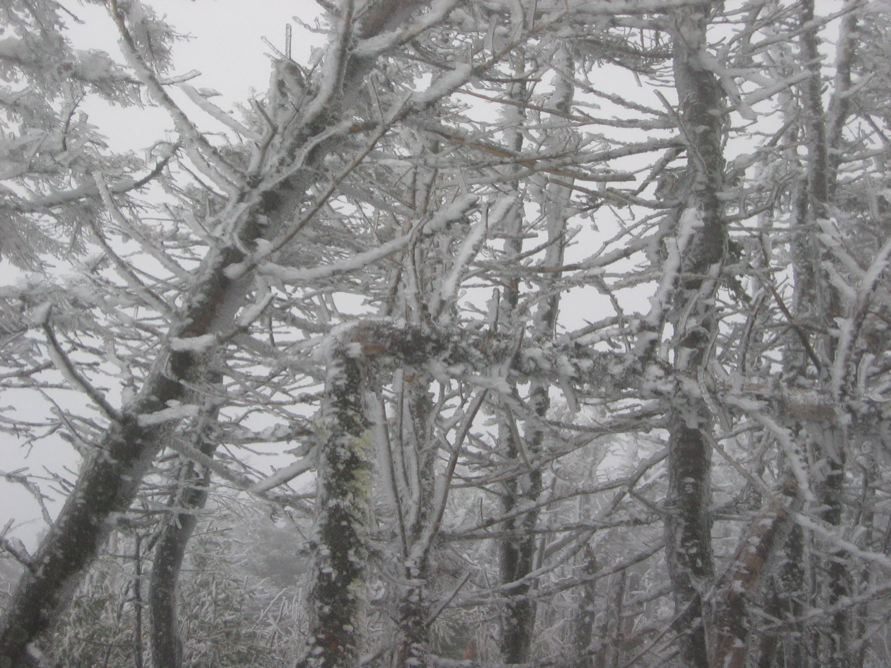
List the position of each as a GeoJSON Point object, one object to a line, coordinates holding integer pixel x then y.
{"type": "Point", "coordinates": [413, 645]}
{"type": "Point", "coordinates": [354, 357]}
{"type": "Point", "coordinates": [688, 523]}
{"type": "Point", "coordinates": [583, 626]}
{"type": "Point", "coordinates": [516, 548]}
{"type": "Point", "coordinates": [337, 598]}
{"type": "Point", "coordinates": [820, 301]}
{"type": "Point", "coordinates": [188, 499]}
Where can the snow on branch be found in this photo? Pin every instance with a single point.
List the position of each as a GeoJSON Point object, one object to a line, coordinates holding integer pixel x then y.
{"type": "Point", "coordinates": [214, 111]}
{"type": "Point", "coordinates": [282, 476]}
{"type": "Point", "coordinates": [470, 247]}
{"type": "Point", "coordinates": [444, 85]}
{"type": "Point", "coordinates": [851, 326]}
{"type": "Point", "coordinates": [60, 198]}
{"type": "Point", "coordinates": [63, 363]}
{"type": "Point", "coordinates": [374, 46]}
{"type": "Point", "coordinates": [472, 355]}
{"type": "Point", "coordinates": [349, 265]}
{"type": "Point", "coordinates": [201, 151]}
{"type": "Point", "coordinates": [169, 414]}
{"type": "Point", "coordinates": [831, 535]}
{"type": "Point", "coordinates": [456, 211]}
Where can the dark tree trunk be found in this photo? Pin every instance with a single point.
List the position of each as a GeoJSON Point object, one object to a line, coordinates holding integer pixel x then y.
{"type": "Point", "coordinates": [355, 358]}
{"type": "Point", "coordinates": [583, 627]}
{"type": "Point", "coordinates": [820, 302]}
{"type": "Point", "coordinates": [688, 523]}
{"type": "Point", "coordinates": [414, 642]}
{"type": "Point", "coordinates": [188, 498]}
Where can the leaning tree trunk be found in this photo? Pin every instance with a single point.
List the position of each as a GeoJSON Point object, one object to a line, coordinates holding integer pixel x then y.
{"type": "Point", "coordinates": [187, 500]}
{"type": "Point", "coordinates": [758, 549]}
{"type": "Point", "coordinates": [109, 479]}
{"type": "Point", "coordinates": [694, 319]}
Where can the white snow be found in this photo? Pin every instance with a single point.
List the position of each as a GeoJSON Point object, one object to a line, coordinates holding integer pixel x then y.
{"type": "Point", "coordinates": [195, 344]}
{"type": "Point", "coordinates": [471, 246]}
{"type": "Point", "coordinates": [444, 84]}
{"type": "Point", "coordinates": [177, 412]}
{"type": "Point", "coordinates": [282, 476]}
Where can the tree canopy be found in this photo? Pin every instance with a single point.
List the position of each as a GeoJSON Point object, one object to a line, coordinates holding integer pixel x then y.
{"type": "Point", "coordinates": [492, 333]}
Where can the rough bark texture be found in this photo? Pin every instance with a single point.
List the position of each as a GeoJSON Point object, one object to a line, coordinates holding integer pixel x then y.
{"type": "Point", "coordinates": [765, 534]}
{"type": "Point", "coordinates": [170, 550]}
{"type": "Point", "coordinates": [337, 599]}
{"type": "Point", "coordinates": [688, 524]}
{"type": "Point", "coordinates": [107, 485]}
{"type": "Point", "coordinates": [414, 631]}
{"type": "Point", "coordinates": [356, 358]}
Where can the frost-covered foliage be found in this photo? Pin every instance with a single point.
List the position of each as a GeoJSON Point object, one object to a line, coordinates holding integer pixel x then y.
{"type": "Point", "coordinates": [49, 148]}
{"type": "Point", "coordinates": [552, 333]}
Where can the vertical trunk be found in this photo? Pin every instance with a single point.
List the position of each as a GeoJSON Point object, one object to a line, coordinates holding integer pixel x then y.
{"type": "Point", "coordinates": [137, 601]}
{"type": "Point", "coordinates": [792, 585]}
{"type": "Point", "coordinates": [866, 520]}
{"type": "Point", "coordinates": [611, 624]}
{"type": "Point", "coordinates": [583, 628]}
{"type": "Point", "coordinates": [618, 607]}
{"type": "Point", "coordinates": [518, 550]}
{"type": "Point", "coordinates": [515, 549]}
{"type": "Point", "coordinates": [168, 556]}
{"type": "Point", "coordinates": [688, 523]}
{"type": "Point", "coordinates": [840, 104]}
{"type": "Point", "coordinates": [188, 498]}
{"type": "Point", "coordinates": [337, 598]}
{"type": "Point", "coordinates": [417, 450]}
{"type": "Point", "coordinates": [830, 444]}
{"type": "Point", "coordinates": [413, 647]}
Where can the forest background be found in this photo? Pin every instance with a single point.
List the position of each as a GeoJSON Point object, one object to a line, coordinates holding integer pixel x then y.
{"type": "Point", "coordinates": [503, 332]}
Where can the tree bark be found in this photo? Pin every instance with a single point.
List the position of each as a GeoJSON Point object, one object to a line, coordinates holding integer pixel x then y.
{"type": "Point", "coordinates": [355, 359]}
{"type": "Point", "coordinates": [688, 523]}
{"type": "Point", "coordinates": [820, 301]}
{"type": "Point", "coordinates": [413, 644]}
{"type": "Point", "coordinates": [337, 598]}
{"type": "Point", "coordinates": [762, 540]}
{"type": "Point", "coordinates": [177, 529]}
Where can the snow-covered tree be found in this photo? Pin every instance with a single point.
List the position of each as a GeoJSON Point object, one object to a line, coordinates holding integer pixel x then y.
{"type": "Point", "coordinates": [564, 321]}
